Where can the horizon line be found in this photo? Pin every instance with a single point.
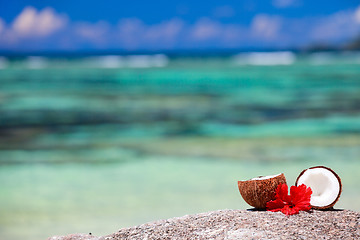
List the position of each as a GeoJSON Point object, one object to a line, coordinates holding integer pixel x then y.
{"type": "Point", "coordinates": [168, 52]}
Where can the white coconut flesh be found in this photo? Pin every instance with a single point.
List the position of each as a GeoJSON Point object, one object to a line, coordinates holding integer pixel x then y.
{"type": "Point", "coordinates": [266, 177]}
{"type": "Point", "coordinates": [324, 184]}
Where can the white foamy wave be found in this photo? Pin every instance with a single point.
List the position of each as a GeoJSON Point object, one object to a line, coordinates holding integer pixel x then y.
{"type": "Point", "coordinates": [131, 61]}
{"type": "Point", "coordinates": [322, 58]}
{"type": "Point", "coordinates": [147, 61]}
{"type": "Point", "coordinates": [3, 62]}
{"type": "Point", "coordinates": [33, 62]}
{"type": "Point", "coordinates": [326, 58]}
{"type": "Point", "coordinates": [265, 58]}
{"type": "Point", "coordinates": [110, 61]}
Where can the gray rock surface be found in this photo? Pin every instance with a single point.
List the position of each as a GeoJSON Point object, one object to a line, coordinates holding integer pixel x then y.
{"type": "Point", "coordinates": [242, 224]}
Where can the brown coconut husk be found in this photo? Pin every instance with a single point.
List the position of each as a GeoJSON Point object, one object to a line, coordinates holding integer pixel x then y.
{"type": "Point", "coordinates": [258, 192]}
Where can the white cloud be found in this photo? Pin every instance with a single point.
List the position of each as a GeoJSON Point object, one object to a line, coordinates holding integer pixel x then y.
{"type": "Point", "coordinates": [165, 31]}
{"type": "Point", "coordinates": [285, 3]}
{"type": "Point", "coordinates": [212, 33]}
{"type": "Point", "coordinates": [25, 21]}
{"type": "Point", "coordinates": [233, 34]}
{"type": "Point", "coordinates": [342, 25]}
{"type": "Point", "coordinates": [7, 37]}
{"type": "Point", "coordinates": [266, 26]}
{"type": "Point", "coordinates": [357, 15]}
{"type": "Point", "coordinates": [130, 25]}
{"type": "Point", "coordinates": [129, 32]}
{"type": "Point", "coordinates": [33, 23]}
{"type": "Point", "coordinates": [2, 26]}
{"type": "Point", "coordinates": [96, 33]}
{"type": "Point", "coordinates": [205, 29]}
{"type": "Point", "coordinates": [46, 28]}
{"type": "Point", "coordinates": [133, 33]}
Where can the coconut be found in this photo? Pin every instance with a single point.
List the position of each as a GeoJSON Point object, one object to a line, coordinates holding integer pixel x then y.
{"type": "Point", "coordinates": [258, 191]}
{"type": "Point", "coordinates": [325, 185]}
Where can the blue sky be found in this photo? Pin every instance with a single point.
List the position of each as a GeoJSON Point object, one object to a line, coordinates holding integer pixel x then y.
{"type": "Point", "coordinates": [174, 25]}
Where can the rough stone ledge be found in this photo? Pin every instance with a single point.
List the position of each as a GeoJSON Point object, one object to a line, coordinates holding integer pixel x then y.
{"type": "Point", "coordinates": [242, 224]}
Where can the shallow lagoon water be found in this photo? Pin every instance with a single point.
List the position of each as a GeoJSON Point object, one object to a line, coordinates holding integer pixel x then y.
{"type": "Point", "coordinates": [87, 147]}
{"type": "Point", "coordinates": [43, 200]}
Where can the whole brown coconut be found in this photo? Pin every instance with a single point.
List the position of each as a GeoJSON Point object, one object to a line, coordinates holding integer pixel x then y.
{"type": "Point", "coordinates": [258, 191]}
{"type": "Point", "coordinates": [325, 184]}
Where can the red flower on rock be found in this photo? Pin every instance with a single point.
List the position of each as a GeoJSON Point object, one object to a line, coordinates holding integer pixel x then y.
{"type": "Point", "coordinates": [298, 200]}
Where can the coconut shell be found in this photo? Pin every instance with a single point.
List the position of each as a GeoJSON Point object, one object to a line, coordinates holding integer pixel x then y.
{"type": "Point", "coordinates": [338, 178]}
{"type": "Point", "coordinates": [258, 192]}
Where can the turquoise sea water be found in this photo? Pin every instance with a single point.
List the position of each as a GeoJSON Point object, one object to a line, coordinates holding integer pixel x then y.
{"type": "Point", "coordinates": [98, 143]}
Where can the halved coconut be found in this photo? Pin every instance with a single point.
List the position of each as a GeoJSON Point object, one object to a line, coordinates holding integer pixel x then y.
{"type": "Point", "coordinates": [325, 185]}
{"type": "Point", "coordinates": [258, 191]}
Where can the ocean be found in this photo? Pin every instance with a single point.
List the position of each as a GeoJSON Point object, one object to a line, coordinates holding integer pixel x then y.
{"type": "Point", "coordinates": [97, 143]}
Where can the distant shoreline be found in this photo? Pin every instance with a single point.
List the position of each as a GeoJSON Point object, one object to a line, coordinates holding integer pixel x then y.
{"type": "Point", "coordinates": [170, 53]}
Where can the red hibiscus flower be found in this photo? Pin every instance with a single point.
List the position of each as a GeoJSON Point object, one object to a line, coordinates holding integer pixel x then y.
{"type": "Point", "coordinates": [298, 200]}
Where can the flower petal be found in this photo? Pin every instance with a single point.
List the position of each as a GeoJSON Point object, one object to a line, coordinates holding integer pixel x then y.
{"type": "Point", "coordinates": [282, 193]}
{"type": "Point", "coordinates": [300, 197]}
{"type": "Point", "coordinates": [275, 205]}
{"type": "Point", "coordinates": [290, 210]}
